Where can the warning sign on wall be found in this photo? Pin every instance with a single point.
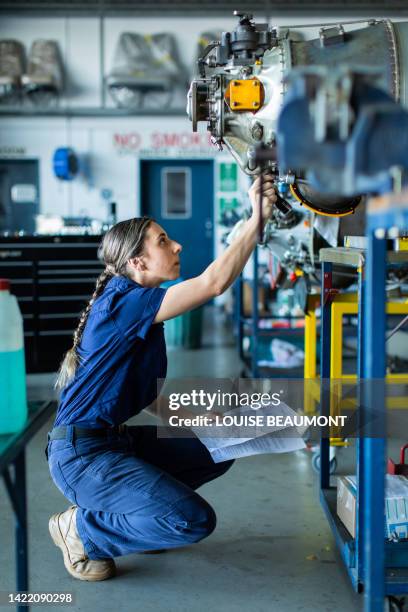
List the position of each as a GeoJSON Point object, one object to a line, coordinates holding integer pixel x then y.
{"type": "Point", "coordinates": [228, 176]}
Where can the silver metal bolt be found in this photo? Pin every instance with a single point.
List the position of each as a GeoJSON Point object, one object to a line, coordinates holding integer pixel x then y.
{"type": "Point", "coordinates": [257, 131]}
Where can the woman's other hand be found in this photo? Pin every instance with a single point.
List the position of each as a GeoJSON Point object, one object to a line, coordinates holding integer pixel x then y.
{"type": "Point", "coordinates": [268, 196]}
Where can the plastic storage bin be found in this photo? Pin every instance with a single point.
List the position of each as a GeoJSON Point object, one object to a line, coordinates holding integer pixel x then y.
{"type": "Point", "coordinates": [13, 396]}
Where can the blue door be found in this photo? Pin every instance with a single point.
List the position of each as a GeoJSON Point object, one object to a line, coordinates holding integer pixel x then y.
{"type": "Point", "coordinates": [179, 195]}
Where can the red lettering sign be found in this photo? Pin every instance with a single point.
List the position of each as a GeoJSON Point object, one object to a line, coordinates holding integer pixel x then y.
{"type": "Point", "coordinates": [182, 140]}
{"type": "Point", "coordinates": [127, 142]}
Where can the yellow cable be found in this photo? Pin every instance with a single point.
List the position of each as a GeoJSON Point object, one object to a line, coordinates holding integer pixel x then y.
{"type": "Point", "coordinates": [308, 205]}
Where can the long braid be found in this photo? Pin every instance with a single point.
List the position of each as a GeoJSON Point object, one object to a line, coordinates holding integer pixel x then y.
{"type": "Point", "coordinates": [101, 283]}
{"type": "Point", "coordinates": [120, 243]}
{"type": "Point", "coordinates": [71, 359]}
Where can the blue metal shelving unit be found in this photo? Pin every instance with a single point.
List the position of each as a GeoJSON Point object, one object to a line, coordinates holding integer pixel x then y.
{"type": "Point", "coordinates": [378, 567]}
{"type": "Point", "coordinates": [251, 365]}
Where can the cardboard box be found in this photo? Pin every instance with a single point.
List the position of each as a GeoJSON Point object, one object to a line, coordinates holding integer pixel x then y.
{"type": "Point", "coordinates": [396, 505]}
{"type": "Point", "coordinates": [346, 503]}
{"type": "Point", "coordinates": [247, 299]}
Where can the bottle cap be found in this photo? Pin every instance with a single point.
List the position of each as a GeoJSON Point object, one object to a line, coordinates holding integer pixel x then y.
{"type": "Point", "coordinates": [4, 284]}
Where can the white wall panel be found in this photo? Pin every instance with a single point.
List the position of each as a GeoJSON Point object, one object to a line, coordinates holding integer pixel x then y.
{"type": "Point", "coordinates": [107, 166]}
{"type": "Point", "coordinates": [83, 62]}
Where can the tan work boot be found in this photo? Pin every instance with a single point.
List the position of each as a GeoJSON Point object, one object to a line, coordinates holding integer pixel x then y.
{"type": "Point", "coordinates": [64, 533]}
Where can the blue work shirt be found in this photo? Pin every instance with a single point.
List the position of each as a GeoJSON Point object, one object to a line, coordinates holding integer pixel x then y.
{"type": "Point", "coordinates": [121, 356]}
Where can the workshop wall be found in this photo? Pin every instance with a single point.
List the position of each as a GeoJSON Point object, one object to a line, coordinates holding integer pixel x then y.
{"type": "Point", "coordinates": [108, 148]}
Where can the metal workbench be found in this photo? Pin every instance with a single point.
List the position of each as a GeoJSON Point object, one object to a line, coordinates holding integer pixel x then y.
{"type": "Point", "coordinates": [376, 566]}
{"type": "Point", "coordinates": [12, 455]}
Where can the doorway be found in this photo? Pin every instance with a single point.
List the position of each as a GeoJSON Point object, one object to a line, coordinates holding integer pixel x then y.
{"type": "Point", "coordinates": [179, 195]}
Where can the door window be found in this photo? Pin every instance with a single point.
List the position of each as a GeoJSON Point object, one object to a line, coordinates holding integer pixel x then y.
{"type": "Point", "coordinates": [176, 193]}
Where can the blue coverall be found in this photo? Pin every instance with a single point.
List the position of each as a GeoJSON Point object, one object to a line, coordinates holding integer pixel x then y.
{"type": "Point", "coordinates": [134, 491]}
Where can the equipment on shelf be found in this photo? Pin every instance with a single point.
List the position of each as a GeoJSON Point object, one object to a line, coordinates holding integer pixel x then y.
{"type": "Point", "coordinates": [11, 70]}
{"type": "Point", "coordinates": [38, 80]}
{"type": "Point", "coordinates": [258, 321]}
{"type": "Point", "coordinates": [51, 225]}
{"type": "Point", "coordinates": [146, 71]}
{"type": "Point", "coordinates": [43, 80]}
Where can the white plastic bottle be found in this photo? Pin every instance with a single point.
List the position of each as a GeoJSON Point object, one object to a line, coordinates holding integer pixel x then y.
{"type": "Point", "coordinates": [13, 396]}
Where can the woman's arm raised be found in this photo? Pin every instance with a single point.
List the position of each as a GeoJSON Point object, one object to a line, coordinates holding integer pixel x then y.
{"type": "Point", "coordinates": [222, 272]}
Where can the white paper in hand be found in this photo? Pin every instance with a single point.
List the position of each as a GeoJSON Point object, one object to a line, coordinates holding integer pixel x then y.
{"type": "Point", "coordinates": [267, 439]}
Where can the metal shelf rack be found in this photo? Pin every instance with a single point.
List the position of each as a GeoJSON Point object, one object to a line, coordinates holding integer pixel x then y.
{"type": "Point", "coordinates": [251, 324]}
{"type": "Point", "coordinates": [378, 567]}
{"type": "Point", "coordinates": [80, 112]}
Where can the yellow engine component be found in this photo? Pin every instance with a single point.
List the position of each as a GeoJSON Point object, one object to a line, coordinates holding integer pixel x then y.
{"type": "Point", "coordinates": [245, 95]}
{"type": "Point", "coordinates": [402, 243]}
{"type": "Point", "coordinates": [350, 207]}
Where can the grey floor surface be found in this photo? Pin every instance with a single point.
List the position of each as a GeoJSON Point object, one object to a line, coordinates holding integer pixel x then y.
{"type": "Point", "coordinates": [272, 550]}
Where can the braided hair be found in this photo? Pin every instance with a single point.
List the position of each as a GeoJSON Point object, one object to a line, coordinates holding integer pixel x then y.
{"type": "Point", "coordinates": [121, 242]}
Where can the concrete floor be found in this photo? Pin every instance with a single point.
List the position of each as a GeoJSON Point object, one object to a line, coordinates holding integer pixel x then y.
{"type": "Point", "coordinates": [272, 549]}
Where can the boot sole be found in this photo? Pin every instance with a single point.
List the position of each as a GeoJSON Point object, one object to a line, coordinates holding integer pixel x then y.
{"type": "Point", "coordinates": [57, 538]}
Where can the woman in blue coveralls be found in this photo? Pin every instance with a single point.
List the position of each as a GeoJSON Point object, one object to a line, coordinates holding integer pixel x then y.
{"type": "Point", "coordinates": [132, 491]}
